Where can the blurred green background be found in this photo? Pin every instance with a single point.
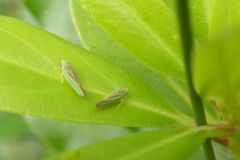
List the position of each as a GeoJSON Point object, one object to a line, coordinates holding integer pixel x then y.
{"type": "Point", "coordinates": [28, 138]}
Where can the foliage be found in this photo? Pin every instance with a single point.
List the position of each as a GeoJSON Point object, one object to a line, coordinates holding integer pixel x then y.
{"type": "Point", "coordinates": [123, 44]}
{"type": "Point", "coordinates": [210, 81]}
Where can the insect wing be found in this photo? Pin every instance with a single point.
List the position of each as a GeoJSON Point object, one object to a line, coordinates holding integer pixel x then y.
{"type": "Point", "coordinates": [71, 77]}
{"type": "Point", "coordinates": [119, 94]}
{"type": "Point", "coordinates": [113, 99]}
{"type": "Point", "coordinates": [107, 103]}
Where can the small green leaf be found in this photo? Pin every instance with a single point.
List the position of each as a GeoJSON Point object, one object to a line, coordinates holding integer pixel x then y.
{"type": "Point", "coordinates": [216, 67]}
{"type": "Point", "coordinates": [174, 144]}
{"type": "Point", "coordinates": [216, 73]}
{"type": "Point", "coordinates": [30, 82]}
{"type": "Point", "coordinates": [223, 15]}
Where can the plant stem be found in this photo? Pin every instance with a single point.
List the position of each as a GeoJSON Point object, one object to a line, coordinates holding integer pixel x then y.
{"type": "Point", "coordinates": [187, 45]}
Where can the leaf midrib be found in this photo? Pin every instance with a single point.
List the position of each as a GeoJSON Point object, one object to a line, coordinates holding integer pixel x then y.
{"type": "Point", "coordinates": [177, 116]}
{"type": "Point", "coordinates": [22, 66]}
{"type": "Point", "coordinates": [29, 69]}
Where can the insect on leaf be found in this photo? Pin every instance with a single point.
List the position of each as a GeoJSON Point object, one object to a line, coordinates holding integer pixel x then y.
{"type": "Point", "coordinates": [71, 77]}
{"type": "Point", "coordinates": [115, 98]}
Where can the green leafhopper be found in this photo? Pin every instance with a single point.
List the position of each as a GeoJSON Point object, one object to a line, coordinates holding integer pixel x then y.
{"type": "Point", "coordinates": [71, 77]}
{"type": "Point", "coordinates": [115, 98]}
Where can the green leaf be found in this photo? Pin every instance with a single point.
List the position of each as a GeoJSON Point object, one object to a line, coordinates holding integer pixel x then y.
{"type": "Point", "coordinates": [200, 22]}
{"type": "Point", "coordinates": [147, 31]}
{"type": "Point", "coordinates": [211, 17]}
{"type": "Point", "coordinates": [215, 67]}
{"type": "Point", "coordinates": [174, 144]}
{"type": "Point", "coordinates": [103, 45]}
{"type": "Point", "coordinates": [36, 7]}
{"type": "Point", "coordinates": [12, 126]}
{"type": "Point", "coordinates": [216, 73]}
{"type": "Point", "coordinates": [62, 136]}
{"type": "Point", "coordinates": [199, 10]}
{"type": "Point", "coordinates": [223, 15]}
{"type": "Point", "coordinates": [30, 82]}
{"type": "Point", "coordinates": [222, 153]}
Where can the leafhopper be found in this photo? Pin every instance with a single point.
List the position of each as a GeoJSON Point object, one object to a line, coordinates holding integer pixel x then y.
{"type": "Point", "coordinates": [113, 99]}
{"type": "Point", "coordinates": [71, 77]}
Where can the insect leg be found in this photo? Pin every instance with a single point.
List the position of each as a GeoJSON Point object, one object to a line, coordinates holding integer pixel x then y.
{"type": "Point", "coordinates": [122, 101]}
